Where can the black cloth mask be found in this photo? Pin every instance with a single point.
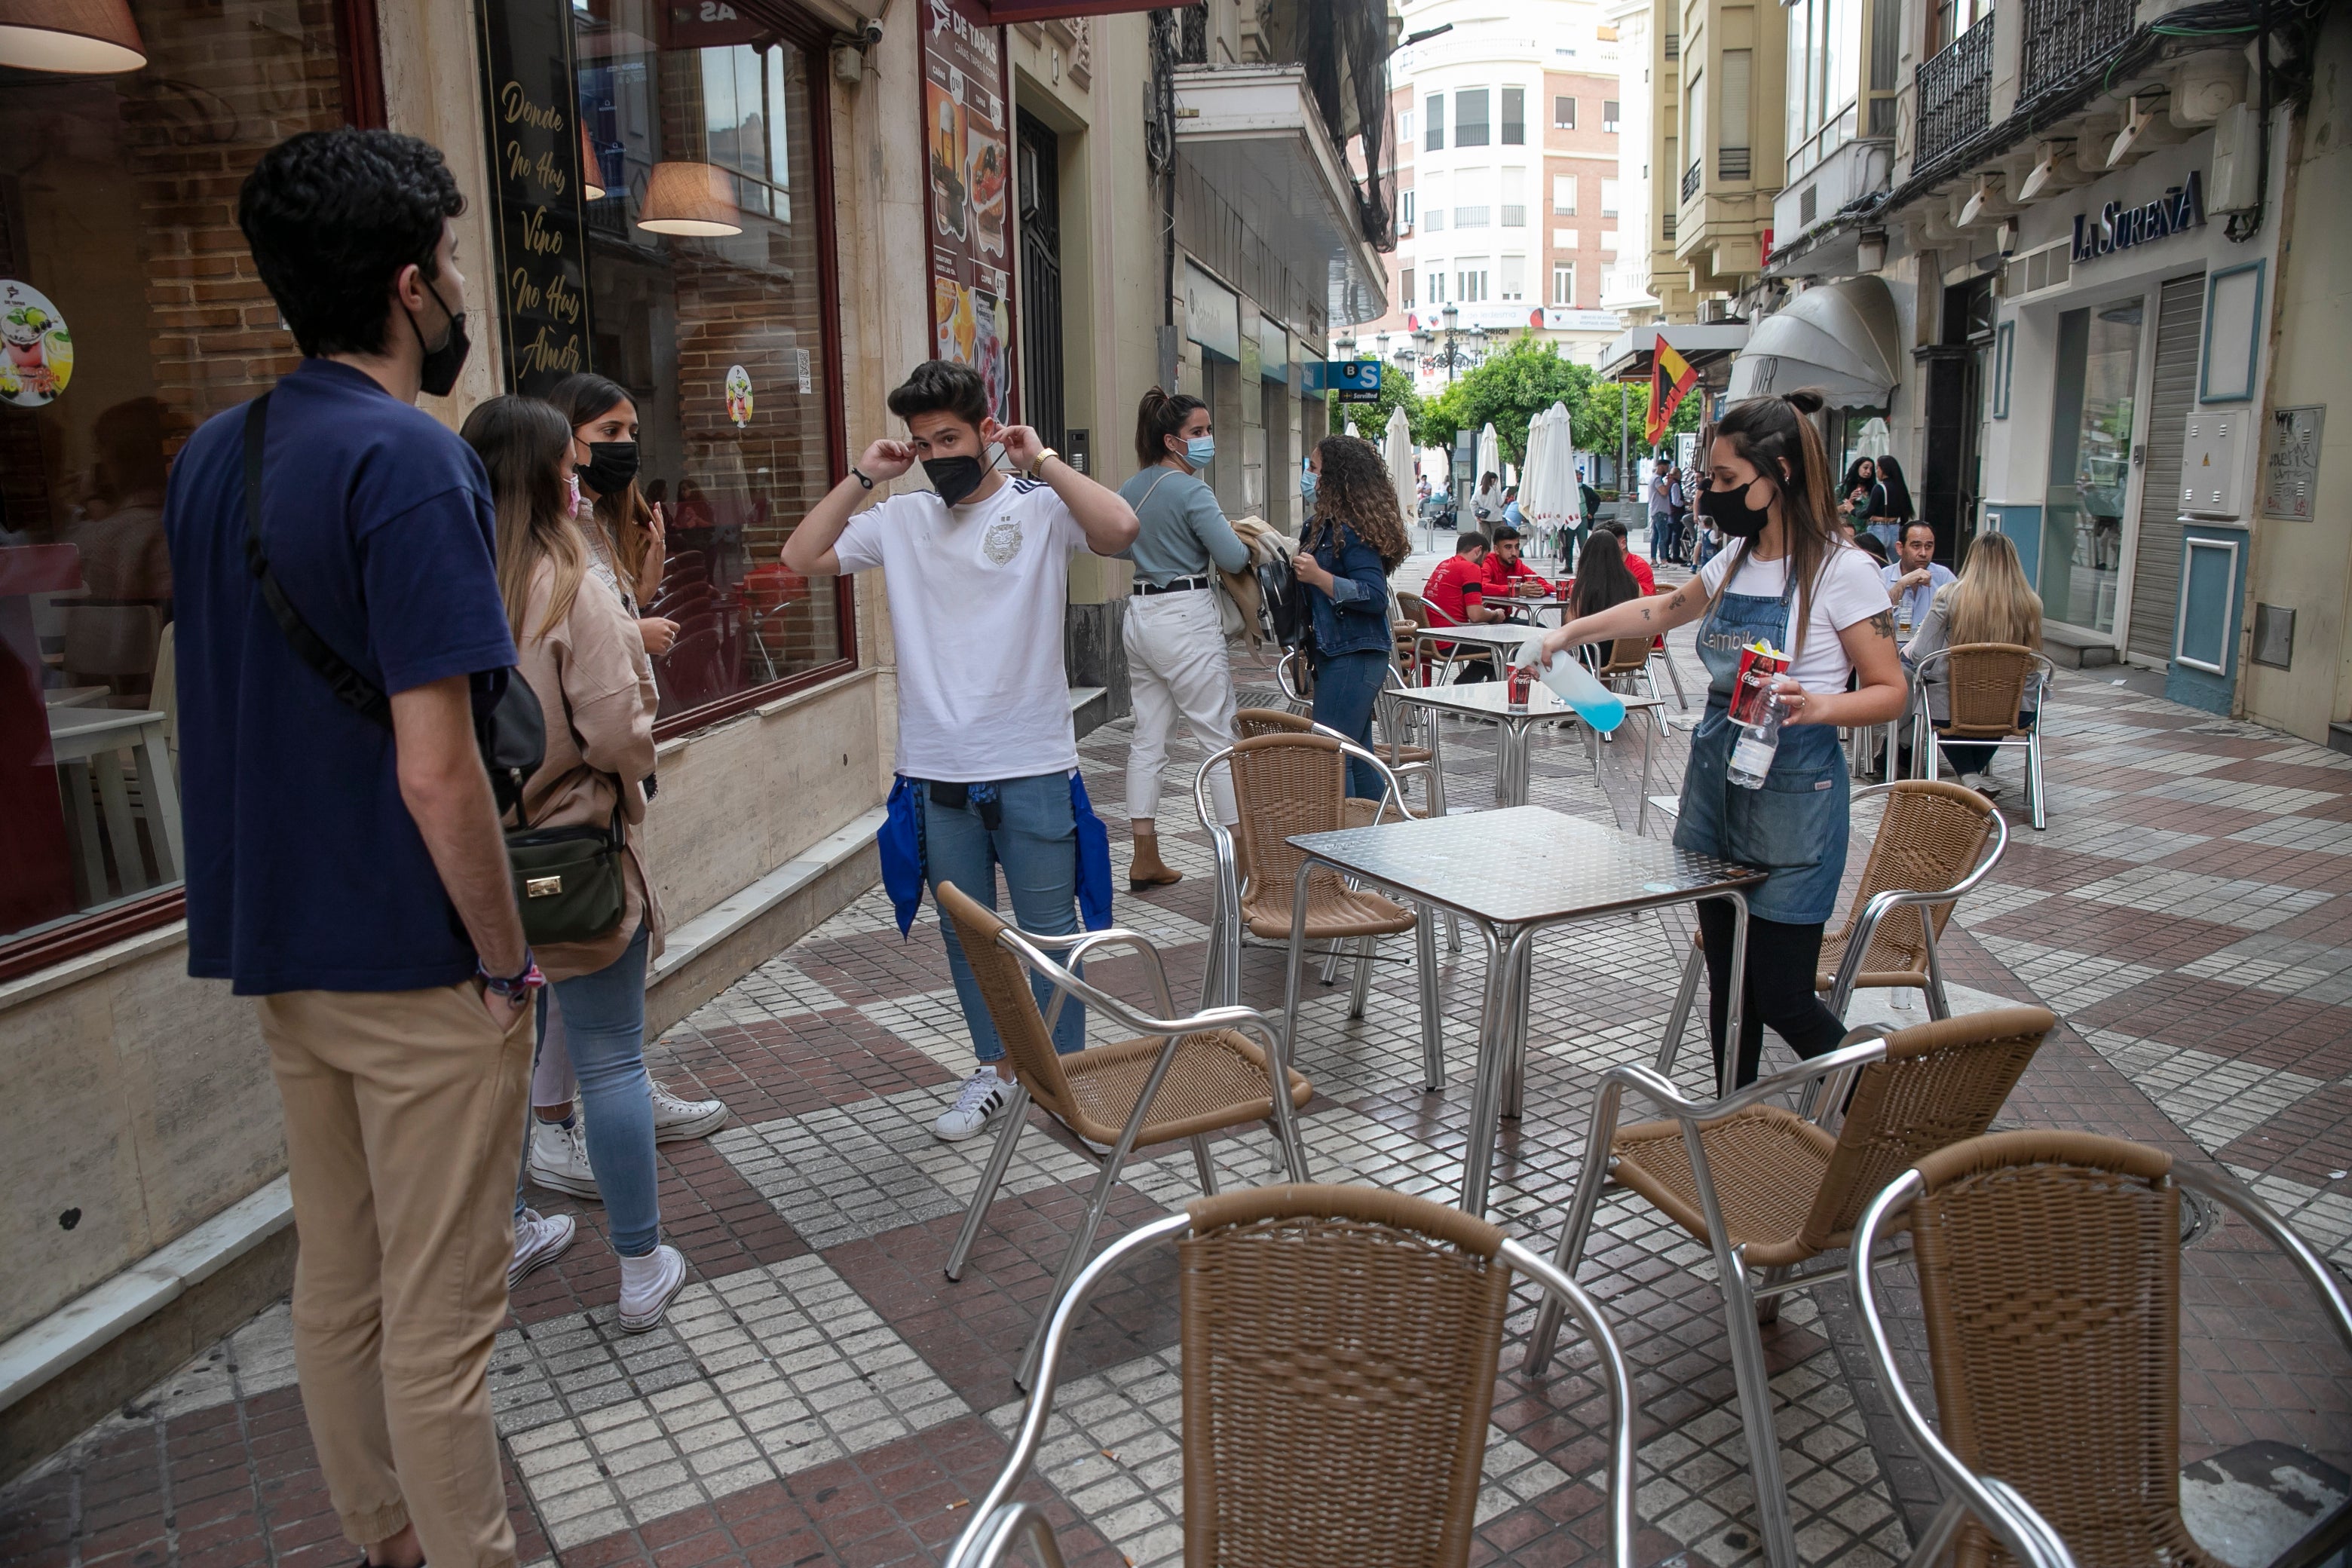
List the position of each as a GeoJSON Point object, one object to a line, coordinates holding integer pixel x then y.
{"type": "Point", "coordinates": [1729, 511]}
{"type": "Point", "coordinates": [437, 374]}
{"type": "Point", "coordinates": [954, 478]}
{"type": "Point", "coordinates": [611, 465]}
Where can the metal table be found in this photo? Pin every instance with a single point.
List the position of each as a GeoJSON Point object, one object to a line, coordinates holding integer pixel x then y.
{"type": "Point", "coordinates": [1511, 873]}
{"type": "Point", "coordinates": [1491, 700]}
{"type": "Point", "coordinates": [1503, 641]}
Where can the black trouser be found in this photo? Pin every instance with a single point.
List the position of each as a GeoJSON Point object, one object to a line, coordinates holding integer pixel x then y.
{"type": "Point", "coordinates": [1781, 962]}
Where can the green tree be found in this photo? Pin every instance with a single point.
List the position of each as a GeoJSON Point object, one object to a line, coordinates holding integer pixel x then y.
{"type": "Point", "coordinates": [1373, 418]}
{"type": "Point", "coordinates": [1513, 385]}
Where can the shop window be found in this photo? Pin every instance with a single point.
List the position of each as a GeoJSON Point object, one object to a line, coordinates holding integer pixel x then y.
{"type": "Point", "coordinates": [722, 340]}
{"type": "Point", "coordinates": [132, 313]}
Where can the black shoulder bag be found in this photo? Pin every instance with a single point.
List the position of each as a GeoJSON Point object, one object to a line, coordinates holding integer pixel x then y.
{"type": "Point", "coordinates": [567, 879]}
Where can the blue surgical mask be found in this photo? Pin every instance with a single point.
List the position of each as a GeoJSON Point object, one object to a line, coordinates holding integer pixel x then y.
{"type": "Point", "coordinates": [1199, 450]}
{"type": "Point", "coordinates": [1307, 484]}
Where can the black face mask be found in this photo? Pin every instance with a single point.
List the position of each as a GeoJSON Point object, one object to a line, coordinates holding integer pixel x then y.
{"type": "Point", "coordinates": [1730, 511]}
{"type": "Point", "coordinates": [954, 478]}
{"type": "Point", "coordinates": [438, 372]}
{"type": "Point", "coordinates": [610, 467]}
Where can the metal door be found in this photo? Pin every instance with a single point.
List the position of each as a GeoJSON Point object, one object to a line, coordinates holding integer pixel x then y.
{"type": "Point", "coordinates": [1040, 173]}
{"type": "Point", "coordinates": [2156, 559]}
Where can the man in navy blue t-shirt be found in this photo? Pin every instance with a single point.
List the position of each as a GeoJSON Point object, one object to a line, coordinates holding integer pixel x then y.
{"type": "Point", "coordinates": [353, 876]}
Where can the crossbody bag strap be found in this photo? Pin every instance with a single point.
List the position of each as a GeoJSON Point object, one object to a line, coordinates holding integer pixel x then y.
{"type": "Point", "coordinates": [349, 687]}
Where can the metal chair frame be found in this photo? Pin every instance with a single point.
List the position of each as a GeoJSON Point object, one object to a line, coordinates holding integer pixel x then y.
{"type": "Point", "coordinates": [998, 1521]}
{"type": "Point", "coordinates": [1030, 948]}
{"type": "Point", "coordinates": [1866, 930]}
{"type": "Point", "coordinates": [1996, 1504]}
{"type": "Point", "coordinates": [1925, 758]}
{"type": "Point", "coordinates": [1229, 932]}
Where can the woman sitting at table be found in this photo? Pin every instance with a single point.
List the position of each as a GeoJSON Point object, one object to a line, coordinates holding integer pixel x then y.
{"type": "Point", "coordinates": [1603, 582]}
{"type": "Point", "coordinates": [1786, 579]}
{"type": "Point", "coordinates": [1348, 547]}
{"type": "Point", "coordinates": [1991, 602]}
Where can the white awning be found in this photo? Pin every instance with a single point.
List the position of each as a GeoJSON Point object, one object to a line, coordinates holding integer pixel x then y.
{"type": "Point", "coordinates": [1840, 337]}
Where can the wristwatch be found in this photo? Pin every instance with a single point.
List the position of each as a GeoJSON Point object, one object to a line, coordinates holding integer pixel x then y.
{"type": "Point", "coordinates": [862, 477]}
{"type": "Point", "coordinates": [1038, 464]}
{"type": "Point", "coordinates": [517, 988]}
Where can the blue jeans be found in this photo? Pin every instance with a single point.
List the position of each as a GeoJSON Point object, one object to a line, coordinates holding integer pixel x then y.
{"type": "Point", "coordinates": [603, 1020]}
{"type": "Point", "coordinates": [1036, 841]}
{"type": "Point", "coordinates": [1347, 686]}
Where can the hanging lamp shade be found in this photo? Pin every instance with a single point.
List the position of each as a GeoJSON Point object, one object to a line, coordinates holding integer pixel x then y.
{"type": "Point", "coordinates": [591, 188]}
{"type": "Point", "coordinates": [70, 37]}
{"type": "Point", "coordinates": [691, 199]}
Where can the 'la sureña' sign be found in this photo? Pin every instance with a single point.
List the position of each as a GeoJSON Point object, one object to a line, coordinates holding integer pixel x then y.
{"type": "Point", "coordinates": [2119, 227]}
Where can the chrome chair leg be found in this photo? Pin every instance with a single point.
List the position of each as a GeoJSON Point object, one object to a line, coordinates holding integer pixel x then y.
{"type": "Point", "coordinates": [1331, 964]}
{"type": "Point", "coordinates": [2034, 777]}
{"type": "Point", "coordinates": [1082, 1246]}
{"type": "Point", "coordinates": [1361, 991]}
{"type": "Point", "coordinates": [1433, 1024]}
{"type": "Point", "coordinates": [1202, 1164]}
{"type": "Point", "coordinates": [1677, 1020]}
{"type": "Point", "coordinates": [1581, 1207]}
{"type": "Point", "coordinates": [1755, 1384]}
{"type": "Point", "coordinates": [1016, 1120]}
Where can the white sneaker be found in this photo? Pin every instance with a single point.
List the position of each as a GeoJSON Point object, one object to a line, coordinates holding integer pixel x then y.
{"type": "Point", "coordinates": [559, 1159]}
{"type": "Point", "coordinates": [985, 1094]}
{"type": "Point", "coordinates": [661, 1275]}
{"type": "Point", "coordinates": [677, 1119]}
{"type": "Point", "coordinates": [1981, 783]}
{"type": "Point", "coordinates": [540, 1239]}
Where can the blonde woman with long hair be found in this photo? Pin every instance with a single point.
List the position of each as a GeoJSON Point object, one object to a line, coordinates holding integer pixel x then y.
{"type": "Point", "coordinates": [1991, 602]}
{"type": "Point", "coordinates": [579, 650]}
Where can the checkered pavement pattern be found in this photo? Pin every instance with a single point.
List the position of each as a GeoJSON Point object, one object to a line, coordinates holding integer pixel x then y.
{"type": "Point", "coordinates": [821, 1393]}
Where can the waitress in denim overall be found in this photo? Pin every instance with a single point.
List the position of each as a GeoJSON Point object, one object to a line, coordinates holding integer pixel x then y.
{"type": "Point", "coordinates": [1789, 579]}
{"type": "Point", "coordinates": [1354, 539]}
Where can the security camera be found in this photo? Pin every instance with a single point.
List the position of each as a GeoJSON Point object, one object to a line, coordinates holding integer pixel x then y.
{"type": "Point", "coordinates": [869, 33]}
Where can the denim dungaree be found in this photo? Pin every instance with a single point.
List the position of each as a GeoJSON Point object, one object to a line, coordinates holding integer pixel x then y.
{"type": "Point", "coordinates": [1796, 825]}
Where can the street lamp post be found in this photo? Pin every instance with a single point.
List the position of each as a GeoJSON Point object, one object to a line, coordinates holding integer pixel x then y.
{"type": "Point", "coordinates": [1454, 356]}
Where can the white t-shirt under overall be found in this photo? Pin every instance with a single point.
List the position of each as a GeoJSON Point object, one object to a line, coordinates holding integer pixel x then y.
{"type": "Point", "coordinates": [976, 596]}
{"type": "Point", "coordinates": [1848, 591]}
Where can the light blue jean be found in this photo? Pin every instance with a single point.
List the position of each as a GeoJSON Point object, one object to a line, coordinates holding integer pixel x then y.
{"type": "Point", "coordinates": [1037, 842]}
{"type": "Point", "coordinates": [1347, 687]}
{"type": "Point", "coordinates": [604, 1022]}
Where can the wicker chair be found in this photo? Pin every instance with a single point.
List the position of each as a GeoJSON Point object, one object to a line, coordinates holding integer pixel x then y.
{"type": "Point", "coordinates": [1178, 1079]}
{"type": "Point", "coordinates": [1929, 850]}
{"type": "Point", "coordinates": [1340, 1348]}
{"type": "Point", "coordinates": [1292, 784]}
{"type": "Point", "coordinates": [1987, 684]}
{"type": "Point", "coordinates": [2049, 1267]}
{"type": "Point", "coordinates": [1768, 1189]}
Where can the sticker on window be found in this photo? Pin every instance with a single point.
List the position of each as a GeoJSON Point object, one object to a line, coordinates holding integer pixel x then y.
{"type": "Point", "coordinates": [39, 358]}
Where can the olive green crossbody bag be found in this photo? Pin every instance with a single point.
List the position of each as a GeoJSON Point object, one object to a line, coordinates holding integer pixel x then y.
{"type": "Point", "coordinates": [568, 880]}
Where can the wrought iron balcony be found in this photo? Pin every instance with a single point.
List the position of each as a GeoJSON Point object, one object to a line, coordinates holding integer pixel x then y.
{"type": "Point", "coordinates": [1955, 94]}
{"type": "Point", "coordinates": [2064, 37]}
{"type": "Point", "coordinates": [1690, 180]}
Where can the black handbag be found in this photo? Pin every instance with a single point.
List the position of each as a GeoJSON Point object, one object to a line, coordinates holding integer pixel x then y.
{"type": "Point", "coordinates": [568, 880]}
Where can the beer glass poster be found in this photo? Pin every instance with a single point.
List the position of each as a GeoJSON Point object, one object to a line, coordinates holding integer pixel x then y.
{"type": "Point", "coordinates": [967, 121]}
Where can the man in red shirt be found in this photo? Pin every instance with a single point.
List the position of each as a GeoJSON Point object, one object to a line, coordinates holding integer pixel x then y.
{"type": "Point", "coordinates": [1642, 575]}
{"type": "Point", "coordinates": [1504, 570]}
{"type": "Point", "coordinates": [1456, 595]}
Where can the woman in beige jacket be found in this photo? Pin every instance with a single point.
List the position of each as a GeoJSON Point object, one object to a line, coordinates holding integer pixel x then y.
{"type": "Point", "coordinates": [579, 650]}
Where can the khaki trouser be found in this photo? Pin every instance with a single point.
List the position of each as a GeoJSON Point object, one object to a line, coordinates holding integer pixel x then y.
{"type": "Point", "coordinates": [403, 1127]}
{"type": "Point", "coordinates": [1176, 665]}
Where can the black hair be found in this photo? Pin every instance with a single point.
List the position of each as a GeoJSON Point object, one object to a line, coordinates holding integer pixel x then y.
{"type": "Point", "coordinates": [1898, 492]}
{"type": "Point", "coordinates": [331, 217]}
{"type": "Point", "coordinates": [1469, 541]}
{"type": "Point", "coordinates": [1617, 526]}
{"type": "Point", "coordinates": [941, 386]}
{"type": "Point", "coordinates": [1911, 522]}
{"type": "Point", "coordinates": [581, 397]}
{"type": "Point", "coordinates": [1602, 579]}
{"type": "Point", "coordinates": [1505, 531]}
{"type": "Point", "coordinates": [1870, 545]}
{"type": "Point", "coordinates": [1161, 415]}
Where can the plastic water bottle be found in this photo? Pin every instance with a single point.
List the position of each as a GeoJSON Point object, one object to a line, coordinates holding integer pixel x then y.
{"type": "Point", "coordinates": [1577, 687]}
{"type": "Point", "coordinates": [1754, 745]}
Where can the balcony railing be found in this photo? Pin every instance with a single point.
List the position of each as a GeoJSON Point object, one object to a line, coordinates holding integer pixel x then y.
{"type": "Point", "coordinates": [1955, 94]}
{"type": "Point", "coordinates": [1690, 180]}
{"type": "Point", "coordinates": [2063, 37]}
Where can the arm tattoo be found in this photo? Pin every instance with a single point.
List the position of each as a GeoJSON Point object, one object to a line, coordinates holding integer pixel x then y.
{"type": "Point", "coordinates": [1645, 611]}
{"type": "Point", "coordinates": [1883, 624]}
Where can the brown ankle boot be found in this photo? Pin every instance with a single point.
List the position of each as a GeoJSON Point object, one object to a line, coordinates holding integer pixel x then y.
{"type": "Point", "coordinates": [1147, 869]}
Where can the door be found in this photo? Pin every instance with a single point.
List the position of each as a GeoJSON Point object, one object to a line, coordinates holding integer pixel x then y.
{"type": "Point", "coordinates": [2093, 426]}
{"type": "Point", "coordinates": [2155, 557]}
{"type": "Point", "coordinates": [1040, 170]}
{"type": "Point", "coordinates": [1950, 483]}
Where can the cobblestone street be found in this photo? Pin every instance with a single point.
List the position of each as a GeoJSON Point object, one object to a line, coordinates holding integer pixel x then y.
{"type": "Point", "coordinates": [821, 1393]}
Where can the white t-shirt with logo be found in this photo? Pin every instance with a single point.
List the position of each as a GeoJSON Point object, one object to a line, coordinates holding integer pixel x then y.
{"type": "Point", "coordinates": [976, 596]}
{"type": "Point", "coordinates": [1848, 592]}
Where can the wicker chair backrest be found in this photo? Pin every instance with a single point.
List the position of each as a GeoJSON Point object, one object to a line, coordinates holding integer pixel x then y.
{"type": "Point", "coordinates": [1930, 837]}
{"type": "Point", "coordinates": [1284, 785]}
{"type": "Point", "coordinates": [1012, 1005]}
{"type": "Point", "coordinates": [1987, 683]}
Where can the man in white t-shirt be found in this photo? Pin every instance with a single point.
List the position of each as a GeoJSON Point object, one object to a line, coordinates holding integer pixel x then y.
{"type": "Point", "coordinates": [977, 570]}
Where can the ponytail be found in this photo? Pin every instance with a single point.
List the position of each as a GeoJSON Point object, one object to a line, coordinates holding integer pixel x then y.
{"type": "Point", "coordinates": [1161, 415]}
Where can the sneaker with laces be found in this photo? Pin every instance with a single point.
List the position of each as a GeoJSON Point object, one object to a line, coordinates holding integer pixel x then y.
{"type": "Point", "coordinates": [677, 1119]}
{"type": "Point", "coordinates": [540, 1239]}
{"type": "Point", "coordinates": [559, 1159]}
{"type": "Point", "coordinates": [648, 1285]}
{"type": "Point", "coordinates": [984, 1095]}
{"type": "Point", "coordinates": [1982, 784]}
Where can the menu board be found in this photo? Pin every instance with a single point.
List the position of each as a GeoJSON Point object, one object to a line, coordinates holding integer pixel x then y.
{"type": "Point", "coordinates": [968, 147]}
{"type": "Point", "coordinates": [532, 112]}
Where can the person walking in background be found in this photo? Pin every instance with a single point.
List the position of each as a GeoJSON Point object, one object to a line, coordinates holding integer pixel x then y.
{"type": "Point", "coordinates": [1661, 505]}
{"type": "Point", "coordinates": [1175, 636]}
{"type": "Point", "coordinates": [1352, 543]}
{"type": "Point", "coordinates": [586, 665]}
{"type": "Point", "coordinates": [1487, 506]}
{"type": "Point", "coordinates": [345, 865]}
{"type": "Point", "coordinates": [1990, 602]}
{"type": "Point", "coordinates": [978, 568]}
{"type": "Point", "coordinates": [1896, 506]}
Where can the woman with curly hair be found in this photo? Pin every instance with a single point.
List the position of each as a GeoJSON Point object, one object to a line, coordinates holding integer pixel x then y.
{"type": "Point", "coordinates": [1353, 539]}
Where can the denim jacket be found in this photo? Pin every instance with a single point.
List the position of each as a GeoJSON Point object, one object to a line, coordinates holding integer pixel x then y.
{"type": "Point", "coordinates": [1354, 617]}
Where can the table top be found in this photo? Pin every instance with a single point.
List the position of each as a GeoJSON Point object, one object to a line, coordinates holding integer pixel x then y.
{"type": "Point", "coordinates": [1525, 864]}
{"type": "Point", "coordinates": [1492, 700]}
{"type": "Point", "coordinates": [1508, 639]}
{"type": "Point", "coordinates": [68, 722]}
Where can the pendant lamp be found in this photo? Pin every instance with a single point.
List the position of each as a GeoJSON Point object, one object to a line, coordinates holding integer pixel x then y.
{"type": "Point", "coordinates": [70, 37]}
{"type": "Point", "coordinates": [590, 188]}
{"type": "Point", "coordinates": [694, 200]}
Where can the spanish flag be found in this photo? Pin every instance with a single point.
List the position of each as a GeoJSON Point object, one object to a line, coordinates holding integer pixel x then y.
{"type": "Point", "coordinates": [1671, 377]}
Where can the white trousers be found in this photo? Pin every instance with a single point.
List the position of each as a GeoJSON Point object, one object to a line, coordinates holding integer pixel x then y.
{"type": "Point", "coordinates": [1176, 664]}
